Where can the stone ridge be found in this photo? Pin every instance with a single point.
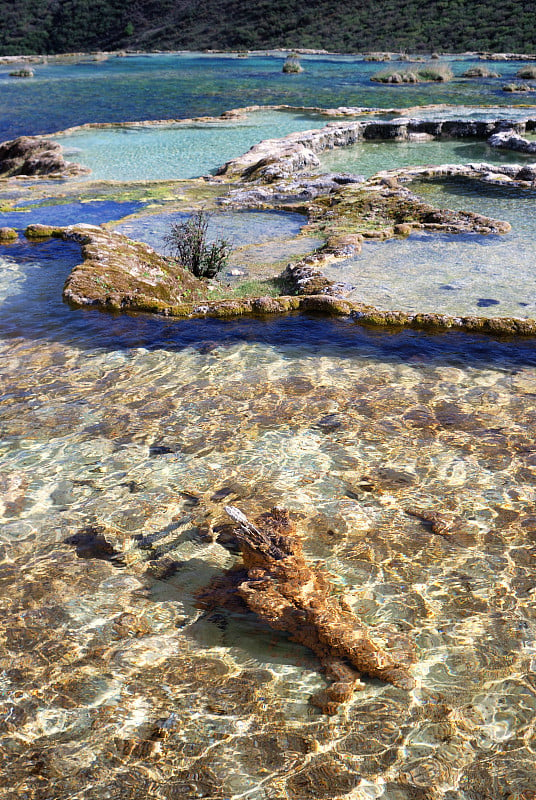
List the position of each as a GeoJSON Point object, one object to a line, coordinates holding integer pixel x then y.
{"type": "Point", "coordinates": [279, 159]}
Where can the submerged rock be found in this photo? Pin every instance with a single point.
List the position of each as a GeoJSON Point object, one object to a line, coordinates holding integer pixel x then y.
{"type": "Point", "coordinates": [278, 584]}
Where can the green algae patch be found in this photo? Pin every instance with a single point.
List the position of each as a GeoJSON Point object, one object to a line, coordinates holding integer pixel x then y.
{"type": "Point", "coordinates": [495, 326]}
{"type": "Point", "coordinates": [270, 287]}
{"type": "Point", "coordinates": [381, 212]}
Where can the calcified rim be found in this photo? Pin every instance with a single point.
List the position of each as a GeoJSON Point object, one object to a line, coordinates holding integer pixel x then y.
{"type": "Point", "coordinates": [339, 112]}
{"type": "Point", "coordinates": [329, 305]}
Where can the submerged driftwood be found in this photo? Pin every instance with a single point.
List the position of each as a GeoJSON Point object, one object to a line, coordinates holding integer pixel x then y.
{"type": "Point", "coordinates": [278, 584]}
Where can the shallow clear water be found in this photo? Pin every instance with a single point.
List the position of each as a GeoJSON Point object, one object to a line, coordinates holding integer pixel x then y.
{"type": "Point", "coordinates": [454, 274]}
{"type": "Point", "coordinates": [180, 86]}
{"type": "Point", "coordinates": [143, 428]}
{"type": "Point", "coordinates": [367, 158]}
{"type": "Point", "coordinates": [189, 151]}
{"type": "Point", "coordinates": [139, 428]}
{"type": "Point", "coordinates": [173, 152]}
{"type": "Point", "coordinates": [258, 239]}
{"type": "Point", "coordinates": [240, 228]}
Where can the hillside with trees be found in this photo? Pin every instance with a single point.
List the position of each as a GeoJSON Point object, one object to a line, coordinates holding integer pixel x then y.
{"type": "Point", "coordinates": [59, 26]}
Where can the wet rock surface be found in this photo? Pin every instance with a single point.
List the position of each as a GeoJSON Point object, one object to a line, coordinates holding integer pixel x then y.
{"type": "Point", "coordinates": [34, 156]}
{"type": "Point", "coordinates": [511, 140]}
{"type": "Point", "coordinates": [275, 159]}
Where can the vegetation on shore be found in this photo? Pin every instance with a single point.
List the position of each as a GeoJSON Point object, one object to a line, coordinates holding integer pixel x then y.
{"type": "Point", "coordinates": [60, 26]}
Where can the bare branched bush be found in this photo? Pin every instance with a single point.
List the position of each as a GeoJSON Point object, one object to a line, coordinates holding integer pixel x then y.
{"type": "Point", "coordinates": [187, 242]}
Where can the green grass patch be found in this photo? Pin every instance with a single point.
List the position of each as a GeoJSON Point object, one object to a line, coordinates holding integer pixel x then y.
{"type": "Point", "coordinates": [256, 287]}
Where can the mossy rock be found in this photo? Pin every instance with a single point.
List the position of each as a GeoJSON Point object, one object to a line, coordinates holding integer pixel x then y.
{"type": "Point", "coordinates": [118, 273]}
{"type": "Point", "coordinates": [37, 231]}
{"type": "Point", "coordinates": [517, 87]}
{"type": "Point", "coordinates": [8, 235]}
{"type": "Point", "coordinates": [22, 73]}
{"type": "Point", "coordinates": [421, 74]}
{"type": "Point", "coordinates": [292, 64]}
{"type": "Point", "coordinates": [528, 72]}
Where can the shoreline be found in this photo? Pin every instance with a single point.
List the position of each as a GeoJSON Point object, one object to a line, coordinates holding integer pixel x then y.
{"type": "Point", "coordinates": [96, 55]}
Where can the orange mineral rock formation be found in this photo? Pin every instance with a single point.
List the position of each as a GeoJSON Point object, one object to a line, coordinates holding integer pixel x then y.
{"type": "Point", "coordinates": [278, 584]}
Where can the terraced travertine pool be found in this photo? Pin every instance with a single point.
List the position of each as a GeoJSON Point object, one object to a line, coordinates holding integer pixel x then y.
{"type": "Point", "coordinates": [454, 274]}
{"type": "Point", "coordinates": [176, 151]}
{"type": "Point", "coordinates": [367, 158]}
{"type": "Point", "coordinates": [122, 435]}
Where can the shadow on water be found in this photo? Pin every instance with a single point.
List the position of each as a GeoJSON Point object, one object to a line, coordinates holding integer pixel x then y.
{"type": "Point", "coordinates": [33, 274]}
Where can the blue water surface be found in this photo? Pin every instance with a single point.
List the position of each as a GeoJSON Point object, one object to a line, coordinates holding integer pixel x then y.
{"type": "Point", "coordinates": [94, 213]}
{"type": "Point", "coordinates": [166, 86]}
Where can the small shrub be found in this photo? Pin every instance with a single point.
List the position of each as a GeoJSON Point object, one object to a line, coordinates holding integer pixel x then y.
{"type": "Point", "coordinates": [292, 63]}
{"type": "Point", "coordinates": [435, 72]}
{"type": "Point", "coordinates": [528, 73]}
{"type": "Point", "coordinates": [188, 244]}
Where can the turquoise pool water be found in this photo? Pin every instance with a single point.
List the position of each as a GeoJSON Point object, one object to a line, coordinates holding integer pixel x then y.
{"type": "Point", "coordinates": [367, 158]}
{"type": "Point", "coordinates": [186, 85]}
{"type": "Point", "coordinates": [183, 151]}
